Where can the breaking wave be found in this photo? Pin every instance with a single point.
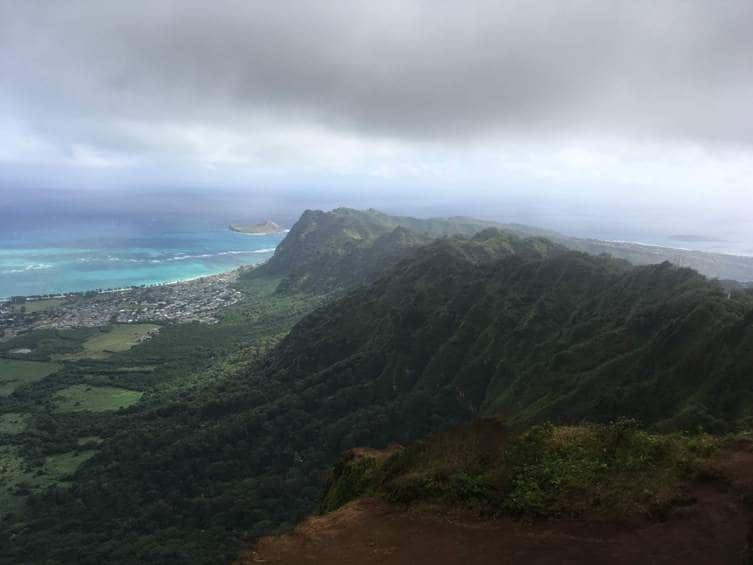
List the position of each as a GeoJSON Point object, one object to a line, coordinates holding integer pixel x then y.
{"type": "Point", "coordinates": [27, 268]}
{"type": "Point", "coordinates": [181, 257]}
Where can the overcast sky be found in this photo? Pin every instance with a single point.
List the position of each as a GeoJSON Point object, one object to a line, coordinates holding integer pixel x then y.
{"type": "Point", "coordinates": [590, 102]}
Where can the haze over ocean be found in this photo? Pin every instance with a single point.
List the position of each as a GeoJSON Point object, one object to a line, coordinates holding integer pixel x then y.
{"type": "Point", "coordinates": [48, 248]}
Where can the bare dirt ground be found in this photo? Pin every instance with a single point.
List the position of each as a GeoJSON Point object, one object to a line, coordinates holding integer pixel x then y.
{"type": "Point", "coordinates": [714, 528]}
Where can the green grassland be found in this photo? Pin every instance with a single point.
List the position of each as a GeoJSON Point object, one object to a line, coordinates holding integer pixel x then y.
{"type": "Point", "coordinates": [80, 397]}
{"type": "Point", "coordinates": [13, 423]}
{"type": "Point", "coordinates": [119, 337]}
{"type": "Point", "coordinates": [47, 343]}
{"type": "Point", "coordinates": [12, 475]}
{"type": "Point", "coordinates": [34, 306]}
{"type": "Point", "coordinates": [15, 373]}
{"type": "Point", "coordinates": [89, 441]}
{"type": "Point", "coordinates": [20, 477]}
{"type": "Point", "coordinates": [63, 465]}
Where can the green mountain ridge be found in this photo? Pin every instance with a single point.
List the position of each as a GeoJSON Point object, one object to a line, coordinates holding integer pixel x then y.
{"type": "Point", "coordinates": [326, 251]}
{"type": "Point", "coordinates": [344, 247]}
{"type": "Point", "coordinates": [529, 330]}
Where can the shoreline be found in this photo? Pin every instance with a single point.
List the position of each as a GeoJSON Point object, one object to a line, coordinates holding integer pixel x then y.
{"type": "Point", "coordinates": [113, 290]}
{"type": "Point", "coordinates": [674, 247]}
{"type": "Point", "coordinates": [249, 254]}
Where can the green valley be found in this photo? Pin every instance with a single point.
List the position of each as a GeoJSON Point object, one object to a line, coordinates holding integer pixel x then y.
{"type": "Point", "coordinates": [15, 374]}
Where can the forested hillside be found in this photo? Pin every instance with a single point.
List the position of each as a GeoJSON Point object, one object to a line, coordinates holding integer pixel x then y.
{"type": "Point", "coordinates": [531, 331]}
{"type": "Point", "coordinates": [325, 251]}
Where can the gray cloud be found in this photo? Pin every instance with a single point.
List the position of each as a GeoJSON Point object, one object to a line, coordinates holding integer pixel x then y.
{"type": "Point", "coordinates": [82, 72]}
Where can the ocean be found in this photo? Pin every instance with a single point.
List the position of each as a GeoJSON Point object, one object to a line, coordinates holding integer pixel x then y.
{"type": "Point", "coordinates": [93, 255]}
{"type": "Point", "coordinates": [58, 241]}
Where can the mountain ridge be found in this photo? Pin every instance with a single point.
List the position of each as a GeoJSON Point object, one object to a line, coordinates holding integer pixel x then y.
{"type": "Point", "coordinates": [332, 250]}
{"type": "Point", "coordinates": [565, 304]}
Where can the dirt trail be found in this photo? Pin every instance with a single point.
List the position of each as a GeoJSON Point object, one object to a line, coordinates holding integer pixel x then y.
{"type": "Point", "coordinates": [715, 529]}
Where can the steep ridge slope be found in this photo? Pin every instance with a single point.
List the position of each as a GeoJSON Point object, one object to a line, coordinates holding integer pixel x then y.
{"type": "Point", "coordinates": [327, 251]}
{"type": "Point", "coordinates": [532, 331]}
{"type": "Point", "coordinates": [333, 250]}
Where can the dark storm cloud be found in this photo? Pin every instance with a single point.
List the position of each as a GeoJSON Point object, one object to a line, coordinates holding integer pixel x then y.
{"type": "Point", "coordinates": [407, 70]}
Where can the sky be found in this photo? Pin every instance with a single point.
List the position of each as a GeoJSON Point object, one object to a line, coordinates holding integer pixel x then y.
{"type": "Point", "coordinates": [634, 113]}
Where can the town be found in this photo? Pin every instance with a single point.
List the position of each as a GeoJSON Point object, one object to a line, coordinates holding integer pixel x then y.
{"type": "Point", "coordinates": [196, 300]}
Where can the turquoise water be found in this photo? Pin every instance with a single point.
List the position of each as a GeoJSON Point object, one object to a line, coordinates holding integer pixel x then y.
{"type": "Point", "coordinates": [78, 257]}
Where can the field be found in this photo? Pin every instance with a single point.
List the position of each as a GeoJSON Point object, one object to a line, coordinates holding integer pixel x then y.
{"type": "Point", "coordinates": [14, 374]}
{"type": "Point", "coordinates": [120, 337]}
{"type": "Point", "coordinates": [33, 306]}
{"type": "Point", "coordinates": [17, 478]}
{"type": "Point", "coordinates": [11, 474]}
{"type": "Point", "coordinates": [13, 423]}
{"type": "Point", "coordinates": [65, 464]}
{"type": "Point", "coordinates": [79, 398]}
{"type": "Point", "coordinates": [89, 440]}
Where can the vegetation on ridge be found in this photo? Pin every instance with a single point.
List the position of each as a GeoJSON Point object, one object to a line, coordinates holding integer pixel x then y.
{"type": "Point", "coordinates": [498, 325]}
{"type": "Point", "coordinates": [609, 470]}
{"type": "Point", "coordinates": [327, 251]}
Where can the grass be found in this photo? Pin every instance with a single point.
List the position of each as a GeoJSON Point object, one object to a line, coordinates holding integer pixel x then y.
{"type": "Point", "coordinates": [89, 440]}
{"type": "Point", "coordinates": [80, 398]}
{"type": "Point", "coordinates": [11, 465]}
{"type": "Point", "coordinates": [119, 337]}
{"type": "Point", "coordinates": [143, 369]}
{"type": "Point", "coordinates": [16, 373]}
{"type": "Point", "coordinates": [12, 473]}
{"type": "Point", "coordinates": [18, 478]}
{"type": "Point", "coordinates": [34, 306]}
{"type": "Point", "coordinates": [65, 464]}
{"type": "Point", "coordinates": [13, 423]}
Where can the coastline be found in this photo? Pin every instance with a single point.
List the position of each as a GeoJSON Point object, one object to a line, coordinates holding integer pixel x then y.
{"type": "Point", "coordinates": [147, 257]}
{"type": "Point", "coordinates": [199, 299]}
{"type": "Point", "coordinates": [260, 233]}
{"type": "Point", "coordinates": [218, 277]}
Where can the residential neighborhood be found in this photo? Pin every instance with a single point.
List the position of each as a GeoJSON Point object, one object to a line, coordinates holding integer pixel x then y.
{"type": "Point", "coordinates": [197, 300]}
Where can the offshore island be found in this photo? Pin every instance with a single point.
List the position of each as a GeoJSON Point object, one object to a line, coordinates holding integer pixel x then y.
{"type": "Point", "coordinates": [266, 228]}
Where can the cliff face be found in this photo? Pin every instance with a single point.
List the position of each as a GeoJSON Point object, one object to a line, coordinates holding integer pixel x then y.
{"type": "Point", "coordinates": [266, 228]}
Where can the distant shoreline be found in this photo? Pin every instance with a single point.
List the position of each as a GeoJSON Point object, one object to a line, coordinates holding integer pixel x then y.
{"type": "Point", "coordinates": [124, 265]}
{"type": "Point", "coordinates": [674, 247]}
{"type": "Point", "coordinates": [113, 290]}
